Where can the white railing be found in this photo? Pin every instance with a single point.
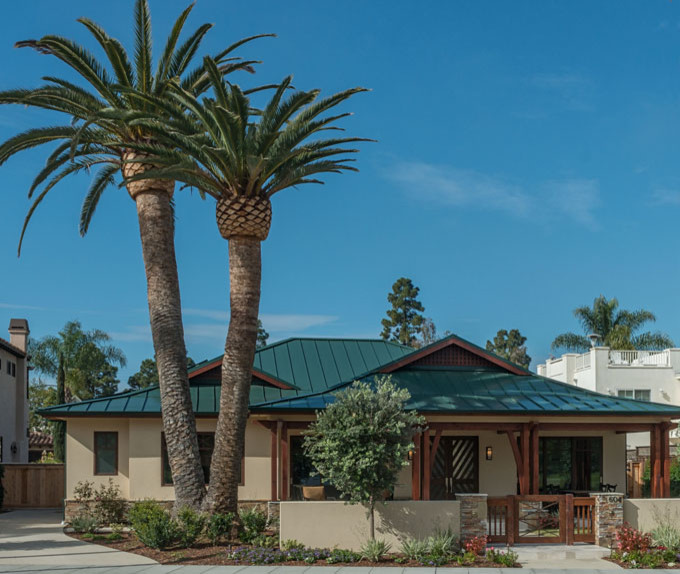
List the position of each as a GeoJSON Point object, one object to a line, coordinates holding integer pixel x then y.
{"type": "Point", "coordinates": [582, 362]}
{"type": "Point", "coordinates": [640, 358]}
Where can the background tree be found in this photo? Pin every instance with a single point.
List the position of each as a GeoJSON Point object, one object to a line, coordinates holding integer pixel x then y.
{"type": "Point", "coordinates": [59, 427]}
{"type": "Point", "coordinates": [617, 329]}
{"type": "Point", "coordinates": [360, 442]}
{"type": "Point", "coordinates": [89, 361]}
{"type": "Point", "coordinates": [147, 375]}
{"type": "Point", "coordinates": [429, 334]}
{"type": "Point", "coordinates": [262, 335]}
{"type": "Point", "coordinates": [98, 132]}
{"type": "Point", "coordinates": [510, 346]}
{"type": "Point", "coordinates": [242, 157]}
{"type": "Point", "coordinates": [404, 322]}
{"type": "Point", "coordinates": [40, 396]}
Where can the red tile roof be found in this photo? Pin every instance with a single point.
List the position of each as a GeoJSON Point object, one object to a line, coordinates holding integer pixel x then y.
{"type": "Point", "coordinates": [11, 348]}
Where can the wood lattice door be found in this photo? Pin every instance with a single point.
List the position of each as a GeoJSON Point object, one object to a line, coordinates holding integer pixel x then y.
{"type": "Point", "coordinates": [455, 467]}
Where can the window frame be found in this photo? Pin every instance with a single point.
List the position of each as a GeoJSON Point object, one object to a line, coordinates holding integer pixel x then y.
{"type": "Point", "coordinates": [95, 450]}
{"type": "Point", "coordinates": [634, 392]}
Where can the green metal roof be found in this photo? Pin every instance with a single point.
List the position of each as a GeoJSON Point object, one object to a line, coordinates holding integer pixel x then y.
{"type": "Point", "coordinates": [320, 364]}
{"type": "Point", "coordinates": [459, 390]}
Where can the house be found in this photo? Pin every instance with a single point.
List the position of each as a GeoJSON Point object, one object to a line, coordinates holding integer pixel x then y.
{"type": "Point", "coordinates": [39, 444]}
{"type": "Point", "coordinates": [492, 426]}
{"type": "Point", "coordinates": [14, 393]}
{"type": "Point", "coordinates": [641, 375]}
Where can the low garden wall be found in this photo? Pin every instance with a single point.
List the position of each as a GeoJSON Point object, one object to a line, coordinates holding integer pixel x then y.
{"type": "Point", "coordinates": [330, 524]}
{"type": "Point", "coordinates": [647, 513]}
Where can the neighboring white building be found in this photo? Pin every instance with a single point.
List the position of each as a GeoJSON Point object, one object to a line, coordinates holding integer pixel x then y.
{"type": "Point", "coordinates": [643, 375]}
{"type": "Point", "coordinates": [14, 393]}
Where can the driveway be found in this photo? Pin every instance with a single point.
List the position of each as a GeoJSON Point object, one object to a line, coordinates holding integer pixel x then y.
{"type": "Point", "coordinates": [36, 537]}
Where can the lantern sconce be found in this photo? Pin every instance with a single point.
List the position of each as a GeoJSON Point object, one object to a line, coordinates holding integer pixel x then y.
{"type": "Point", "coordinates": [410, 454]}
{"type": "Point", "coordinates": [489, 453]}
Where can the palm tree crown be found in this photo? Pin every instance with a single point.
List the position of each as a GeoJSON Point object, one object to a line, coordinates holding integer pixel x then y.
{"type": "Point", "coordinates": [234, 153]}
{"type": "Point", "coordinates": [615, 328]}
{"type": "Point", "coordinates": [100, 128]}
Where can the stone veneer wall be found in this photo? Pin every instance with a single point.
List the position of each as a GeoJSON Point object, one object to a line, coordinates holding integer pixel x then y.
{"type": "Point", "coordinates": [608, 516]}
{"type": "Point", "coordinates": [473, 515]}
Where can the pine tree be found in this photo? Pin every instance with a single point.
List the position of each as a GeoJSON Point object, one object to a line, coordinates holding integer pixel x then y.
{"type": "Point", "coordinates": [510, 346]}
{"type": "Point", "coordinates": [59, 430]}
{"type": "Point", "coordinates": [404, 322]}
{"type": "Point", "coordinates": [262, 335]}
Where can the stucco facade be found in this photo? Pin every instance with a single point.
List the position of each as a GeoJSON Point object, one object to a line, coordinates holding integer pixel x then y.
{"type": "Point", "coordinates": [139, 457]}
{"type": "Point", "coordinates": [14, 394]}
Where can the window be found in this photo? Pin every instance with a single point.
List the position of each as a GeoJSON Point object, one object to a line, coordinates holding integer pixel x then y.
{"type": "Point", "coordinates": [14, 369]}
{"type": "Point", "coordinates": [569, 463]}
{"type": "Point", "coordinates": [9, 367]}
{"type": "Point", "coordinates": [106, 453]}
{"type": "Point", "coordinates": [637, 394]}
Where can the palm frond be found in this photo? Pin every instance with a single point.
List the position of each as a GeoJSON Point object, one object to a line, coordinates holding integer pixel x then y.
{"type": "Point", "coordinates": [114, 51]}
{"type": "Point", "coordinates": [104, 178]}
{"type": "Point", "coordinates": [143, 53]}
{"type": "Point", "coordinates": [171, 43]}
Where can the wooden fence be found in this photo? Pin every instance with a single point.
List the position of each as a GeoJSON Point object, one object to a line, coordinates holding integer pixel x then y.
{"type": "Point", "coordinates": [33, 485]}
{"type": "Point", "coordinates": [634, 474]}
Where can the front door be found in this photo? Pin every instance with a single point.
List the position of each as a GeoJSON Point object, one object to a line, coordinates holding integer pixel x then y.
{"type": "Point", "coordinates": [455, 467]}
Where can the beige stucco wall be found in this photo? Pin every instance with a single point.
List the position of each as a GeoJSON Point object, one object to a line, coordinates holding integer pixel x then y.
{"type": "Point", "coordinates": [139, 457]}
{"type": "Point", "coordinates": [336, 524]}
{"type": "Point", "coordinates": [80, 453]}
{"type": "Point", "coordinates": [646, 514]}
{"type": "Point", "coordinates": [140, 472]}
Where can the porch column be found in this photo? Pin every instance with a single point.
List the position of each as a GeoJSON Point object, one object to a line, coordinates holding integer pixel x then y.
{"type": "Point", "coordinates": [274, 461]}
{"type": "Point", "coordinates": [427, 468]}
{"type": "Point", "coordinates": [655, 462]}
{"type": "Point", "coordinates": [415, 467]}
{"type": "Point", "coordinates": [524, 438]}
{"type": "Point", "coordinates": [534, 458]}
{"type": "Point", "coordinates": [665, 461]}
{"type": "Point", "coordinates": [518, 460]}
{"type": "Point", "coordinates": [284, 485]}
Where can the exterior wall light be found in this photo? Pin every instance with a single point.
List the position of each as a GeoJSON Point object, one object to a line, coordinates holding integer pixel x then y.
{"type": "Point", "coordinates": [410, 454]}
{"type": "Point", "coordinates": [489, 453]}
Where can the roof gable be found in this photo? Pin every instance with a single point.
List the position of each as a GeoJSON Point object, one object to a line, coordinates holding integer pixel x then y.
{"type": "Point", "coordinates": [453, 351]}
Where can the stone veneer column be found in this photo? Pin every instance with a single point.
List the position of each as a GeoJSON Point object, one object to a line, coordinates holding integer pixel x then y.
{"type": "Point", "coordinates": [473, 515]}
{"type": "Point", "coordinates": [608, 516]}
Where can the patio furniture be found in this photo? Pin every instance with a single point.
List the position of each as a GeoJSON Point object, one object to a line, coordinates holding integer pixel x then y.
{"type": "Point", "coordinates": [313, 493]}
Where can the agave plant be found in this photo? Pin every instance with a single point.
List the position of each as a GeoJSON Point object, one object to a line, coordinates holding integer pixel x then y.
{"type": "Point", "coordinates": [241, 157]}
{"type": "Point", "coordinates": [98, 133]}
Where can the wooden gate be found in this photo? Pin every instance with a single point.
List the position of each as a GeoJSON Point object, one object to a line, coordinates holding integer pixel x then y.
{"type": "Point", "coordinates": [455, 467]}
{"type": "Point", "coordinates": [33, 485]}
{"type": "Point", "coordinates": [540, 519]}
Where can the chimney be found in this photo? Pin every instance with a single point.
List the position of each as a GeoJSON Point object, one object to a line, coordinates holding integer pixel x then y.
{"type": "Point", "coordinates": [18, 333]}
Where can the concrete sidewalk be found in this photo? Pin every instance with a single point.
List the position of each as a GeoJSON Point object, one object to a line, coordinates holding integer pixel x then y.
{"type": "Point", "coordinates": [35, 539]}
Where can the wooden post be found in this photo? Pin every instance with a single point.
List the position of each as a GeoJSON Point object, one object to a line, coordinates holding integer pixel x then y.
{"type": "Point", "coordinates": [657, 468]}
{"type": "Point", "coordinates": [666, 458]}
{"type": "Point", "coordinates": [518, 458]}
{"type": "Point", "coordinates": [534, 459]}
{"type": "Point", "coordinates": [435, 446]}
{"type": "Point", "coordinates": [652, 461]}
{"type": "Point", "coordinates": [427, 471]}
{"type": "Point", "coordinates": [285, 486]}
{"type": "Point", "coordinates": [569, 519]}
{"type": "Point", "coordinates": [510, 521]}
{"type": "Point", "coordinates": [274, 461]}
{"type": "Point", "coordinates": [415, 467]}
{"type": "Point", "coordinates": [525, 459]}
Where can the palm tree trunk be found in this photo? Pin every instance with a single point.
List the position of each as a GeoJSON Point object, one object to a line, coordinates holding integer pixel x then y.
{"type": "Point", "coordinates": [156, 227]}
{"type": "Point", "coordinates": [245, 268]}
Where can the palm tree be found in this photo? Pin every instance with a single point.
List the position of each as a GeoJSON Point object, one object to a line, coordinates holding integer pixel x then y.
{"type": "Point", "coordinates": [99, 134]}
{"type": "Point", "coordinates": [617, 329]}
{"type": "Point", "coordinates": [242, 157]}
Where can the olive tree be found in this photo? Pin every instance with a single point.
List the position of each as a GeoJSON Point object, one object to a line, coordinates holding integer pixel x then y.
{"type": "Point", "coordinates": [361, 441]}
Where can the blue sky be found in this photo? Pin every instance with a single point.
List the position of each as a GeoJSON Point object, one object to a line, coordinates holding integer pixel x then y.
{"type": "Point", "coordinates": [527, 162]}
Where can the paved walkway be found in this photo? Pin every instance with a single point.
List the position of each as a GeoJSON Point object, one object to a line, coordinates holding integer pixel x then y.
{"type": "Point", "coordinates": [35, 538]}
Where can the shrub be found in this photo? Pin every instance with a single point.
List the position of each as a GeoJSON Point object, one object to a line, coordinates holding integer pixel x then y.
{"type": "Point", "coordinates": [338, 555]}
{"type": "Point", "coordinates": [253, 523]}
{"type": "Point", "coordinates": [290, 544]}
{"type": "Point", "coordinates": [414, 549]}
{"type": "Point", "coordinates": [109, 506]}
{"type": "Point", "coordinates": [373, 550]}
{"type": "Point", "coordinates": [507, 559]}
{"type": "Point", "coordinates": [629, 539]}
{"type": "Point", "coordinates": [476, 545]}
{"type": "Point", "coordinates": [190, 525]}
{"type": "Point", "coordinates": [219, 526]}
{"type": "Point", "coordinates": [442, 543]}
{"type": "Point", "coordinates": [667, 535]}
{"type": "Point", "coordinates": [85, 523]}
{"type": "Point", "coordinates": [265, 541]}
{"type": "Point", "coordinates": [153, 525]}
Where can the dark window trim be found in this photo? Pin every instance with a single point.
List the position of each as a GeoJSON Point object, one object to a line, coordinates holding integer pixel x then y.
{"type": "Point", "coordinates": [94, 470]}
{"type": "Point", "coordinates": [164, 460]}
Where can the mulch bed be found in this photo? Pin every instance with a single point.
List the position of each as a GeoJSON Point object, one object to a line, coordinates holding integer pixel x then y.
{"type": "Point", "coordinates": [629, 566]}
{"type": "Point", "coordinates": [217, 555]}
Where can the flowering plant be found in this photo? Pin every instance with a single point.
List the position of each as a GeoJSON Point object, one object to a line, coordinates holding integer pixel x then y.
{"type": "Point", "coordinates": [629, 539]}
{"type": "Point", "coordinates": [476, 545]}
